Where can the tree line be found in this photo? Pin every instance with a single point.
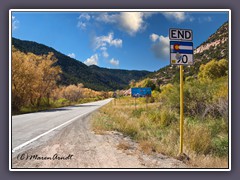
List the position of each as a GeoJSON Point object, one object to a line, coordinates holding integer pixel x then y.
{"type": "Point", "coordinates": [35, 83]}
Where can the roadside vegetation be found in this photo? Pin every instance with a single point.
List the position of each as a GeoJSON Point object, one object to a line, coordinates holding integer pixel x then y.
{"type": "Point", "coordinates": [35, 85]}
{"type": "Point", "coordinates": [155, 125]}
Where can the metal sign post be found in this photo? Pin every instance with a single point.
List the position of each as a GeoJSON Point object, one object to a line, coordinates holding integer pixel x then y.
{"type": "Point", "coordinates": [135, 102]}
{"type": "Point", "coordinates": [147, 102]}
{"type": "Point", "coordinates": [115, 96]}
{"type": "Point", "coordinates": [181, 110]}
{"type": "Point", "coordinates": [181, 53]}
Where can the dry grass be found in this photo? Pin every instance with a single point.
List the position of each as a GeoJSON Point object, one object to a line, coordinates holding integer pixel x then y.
{"type": "Point", "coordinates": [198, 139]}
{"type": "Point", "coordinates": [207, 161]}
{"type": "Point", "coordinates": [147, 146]}
{"type": "Point", "coordinates": [157, 130]}
{"type": "Point", "coordinates": [123, 145]}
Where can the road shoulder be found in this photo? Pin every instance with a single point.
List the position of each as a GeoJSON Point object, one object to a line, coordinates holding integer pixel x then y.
{"type": "Point", "coordinates": [76, 146]}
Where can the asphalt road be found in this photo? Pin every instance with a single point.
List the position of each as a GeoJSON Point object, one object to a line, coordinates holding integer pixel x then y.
{"type": "Point", "coordinates": [32, 128]}
{"type": "Point", "coordinates": [64, 138]}
{"type": "Point", "coordinates": [78, 146]}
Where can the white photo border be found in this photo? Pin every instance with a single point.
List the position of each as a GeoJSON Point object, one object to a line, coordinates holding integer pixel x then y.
{"type": "Point", "coordinates": [117, 169]}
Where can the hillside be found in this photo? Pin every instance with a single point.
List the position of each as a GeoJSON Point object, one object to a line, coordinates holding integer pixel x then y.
{"type": "Point", "coordinates": [215, 47]}
{"type": "Point", "coordinates": [75, 72]}
{"type": "Point", "coordinates": [117, 77]}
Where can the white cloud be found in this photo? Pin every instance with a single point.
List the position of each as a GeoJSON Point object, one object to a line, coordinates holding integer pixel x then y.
{"type": "Point", "coordinates": [105, 54]}
{"type": "Point", "coordinates": [15, 23]}
{"type": "Point", "coordinates": [154, 37]}
{"type": "Point", "coordinates": [83, 20]}
{"type": "Point", "coordinates": [114, 62]}
{"type": "Point", "coordinates": [149, 14]}
{"type": "Point", "coordinates": [81, 25]}
{"type": "Point", "coordinates": [103, 48]}
{"type": "Point", "coordinates": [93, 60]}
{"type": "Point", "coordinates": [107, 18]}
{"type": "Point", "coordinates": [175, 16]}
{"type": "Point", "coordinates": [116, 42]}
{"type": "Point", "coordinates": [130, 22]}
{"type": "Point", "coordinates": [72, 55]}
{"type": "Point", "coordinates": [85, 16]}
{"type": "Point", "coordinates": [103, 41]}
{"type": "Point", "coordinates": [160, 46]}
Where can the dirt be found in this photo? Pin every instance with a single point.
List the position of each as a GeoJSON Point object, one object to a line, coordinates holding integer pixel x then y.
{"type": "Point", "coordinates": [76, 146]}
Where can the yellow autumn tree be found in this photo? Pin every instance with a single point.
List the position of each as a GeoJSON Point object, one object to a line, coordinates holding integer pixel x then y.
{"type": "Point", "coordinates": [213, 70]}
{"type": "Point", "coordinates": [72, 92]}
{"type": "Point", "coordinates": [33, 78]}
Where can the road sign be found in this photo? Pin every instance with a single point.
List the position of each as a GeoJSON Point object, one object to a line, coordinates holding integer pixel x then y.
{"type": "Point", "coordinates": [141, 92]}
{"type": "Point", "coordinates": [181, 34]}
{"type": "Point", "coordinates": [181, 53]}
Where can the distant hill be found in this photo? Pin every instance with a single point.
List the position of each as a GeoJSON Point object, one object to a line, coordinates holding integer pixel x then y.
{"type": "Point", "coordinates": [215, 47]}
{"type": "Point", "coordinates": [75, 72]}
{"type": "Point", "coordinates": [117, 77]}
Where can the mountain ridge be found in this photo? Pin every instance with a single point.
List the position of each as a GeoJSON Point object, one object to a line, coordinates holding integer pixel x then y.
{"type": "Point", "coordinates": [74, 71]}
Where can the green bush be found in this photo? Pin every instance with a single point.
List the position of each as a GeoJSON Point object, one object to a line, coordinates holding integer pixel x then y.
{"type": "Point", "coordinates": [213, 70]}
{"type": "Point", "coordinates": [197, 98]}
{"type": "Point", "coordinates": [217, 126]}
{"type": "Point", "coordinates": [154, 116]}
{"type": "Point", "coordinates": [62, 101]}
{"type": "Point", "coordinates": [220, 146]}
{"type": "Point", "coordinates": [167, 117]}
{"type": "Point", "coordinates": [137, 112]}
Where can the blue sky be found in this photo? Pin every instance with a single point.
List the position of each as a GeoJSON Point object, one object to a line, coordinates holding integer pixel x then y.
{"type": "Point", "coordinates": [118, 40]}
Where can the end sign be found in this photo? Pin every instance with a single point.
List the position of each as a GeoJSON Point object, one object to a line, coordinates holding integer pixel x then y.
{"type": "Point", "coordinates": [180, 34]}
{"type": "Point", "coordinates": [181, 46]}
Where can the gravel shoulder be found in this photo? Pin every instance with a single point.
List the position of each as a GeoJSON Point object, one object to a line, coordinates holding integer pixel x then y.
{"type": "Point", "coordinates": [76, 146]}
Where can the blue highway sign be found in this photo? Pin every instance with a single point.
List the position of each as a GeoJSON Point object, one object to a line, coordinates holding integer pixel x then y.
{"type": "Point", "coordinates": [141, 92]}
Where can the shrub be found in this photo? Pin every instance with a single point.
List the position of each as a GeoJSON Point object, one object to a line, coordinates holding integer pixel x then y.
{"type": "Point", "coordinates": [137, 112]}
{"type": "Point", "coordinates": [220, 146]}
{"type": "Point", "coordinates": [156, 96]}
{"type": "Point", "coordinates": [213, 70]}
{"type": "Point", "coordinates": [131, 128]}
{"type": "Point", "coordinates": [154, 116]}
{"type": "Point", "coordinates": [198, 138]}
{"type": "Point", "coordinates": [62, 101]}
{"type": "Point", "coordinates": [197, 97]}
{"type": "Point", "coordinates": [166, 117]}
{"type": "Point", "coordinates": [217, 126]}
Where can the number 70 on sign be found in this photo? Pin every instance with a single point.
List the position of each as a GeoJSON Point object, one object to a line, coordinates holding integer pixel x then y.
{"type": "Point", "coordinates": [181, 53]}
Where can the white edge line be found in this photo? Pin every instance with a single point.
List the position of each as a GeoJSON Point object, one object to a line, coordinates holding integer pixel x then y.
{"type": "Point", "coordinates": [43, 134]}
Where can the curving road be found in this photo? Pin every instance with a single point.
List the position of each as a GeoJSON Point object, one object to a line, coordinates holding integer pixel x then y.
{"type": "Point", "coordinates": [63, 138]}
{"type": "Point", "coordinates": [32, 128]}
